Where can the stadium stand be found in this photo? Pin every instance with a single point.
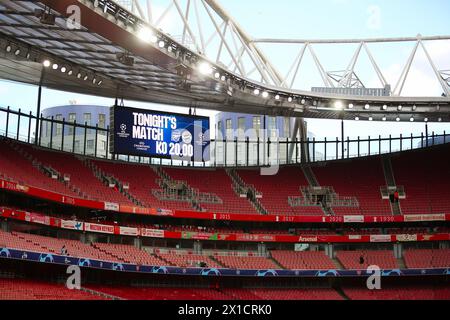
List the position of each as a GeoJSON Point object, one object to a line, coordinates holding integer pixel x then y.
{"type": "Point", "coordinates": [425, 258]}
{"type": "Point", "coordinates": [425, 175]}
{"type": "Point", "coordinates": [188, 260]}
{"type": "Point", "coordinates": [148, 293]}
{"type": "Point", "coordinates": [128, 254]}
{"type": "Point", "coordinates": [142, 180]}
{"type": "Point", "coordinates": [426, 190]}
{"type": "Point", "coordinates": [19, 289]}
{"type": "Point", "coordinates": [275, 195]}
{"type": "Point", "coordinates": [360, 178]}
{"type": "Point", "coordinates": [401, 293]}
{"type": "Point", "coordinates": [382, 258]}
{"type": "Point", "coordinates": [297, 294]}
{"type": "Point", "coordinates": [15, 167]}
{"type": "Point", "coordinates": [315, 260]}
{"type": "Point", "coordinates": [82, 179]}
{"type": "Point", "coordinates": [235, 262]}
{"type": "Point", "coordinates": [218, 183]}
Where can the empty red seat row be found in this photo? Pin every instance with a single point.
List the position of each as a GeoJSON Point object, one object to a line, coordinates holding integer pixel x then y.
{"type": "Point", "coordinates": [383, 258]}
{"type": "Point", "coordinates": [399, 293]}
{"type": "Point", "coordinates": [277, 189]}
{"type": "Point", "coordinates": [360, 178]}
{"type": "Point", "coordinates": [424, 258]}
{"type": "Point", "coordinates": [19, 289]}
{"type": "Point", "coordinates": [313, 260]}
{"type": "Point", "coordinates": [425, 174]}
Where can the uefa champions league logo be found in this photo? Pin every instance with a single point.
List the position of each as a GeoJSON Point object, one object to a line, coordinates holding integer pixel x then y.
{"type": "Point", "coordinates": [123, 131]}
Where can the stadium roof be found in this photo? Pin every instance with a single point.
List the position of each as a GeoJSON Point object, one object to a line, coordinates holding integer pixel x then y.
{"type": "Point", "coordinates": [92, 60]}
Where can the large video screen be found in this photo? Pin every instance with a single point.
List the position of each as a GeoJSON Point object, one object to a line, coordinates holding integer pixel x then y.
{"type": "Point", "coordinates": [159, 134]}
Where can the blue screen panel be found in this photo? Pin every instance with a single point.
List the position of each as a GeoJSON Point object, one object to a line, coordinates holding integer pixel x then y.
{"type": "Point", "coordinates": [158, 134]}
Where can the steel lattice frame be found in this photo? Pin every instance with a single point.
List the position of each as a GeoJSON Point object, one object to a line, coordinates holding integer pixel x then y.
{"type": "Point", "coordinates": [249, 83]}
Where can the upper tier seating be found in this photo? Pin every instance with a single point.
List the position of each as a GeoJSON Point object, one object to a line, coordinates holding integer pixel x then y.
{"type": "Point", "coordinates": [81, 177]}
{"type": "Point", "coordinates": [361, 178]}
{"type": "Point", "coordinates": [423, 258]}
{"type": "Point", "coordinates": [425, 174]}
{"type": "Point", "coordinates": [314, 260]}
{"type": "Point", "coordinates": [383, 258]}
{"type": "Point", "coordinates": [142, 179]}
{"type": "Point", "coordinates": [15, 167]}
{"type": "Point", "coordinates": [277, 189]}
{"type": "Point", "coordinates": [216, 182]}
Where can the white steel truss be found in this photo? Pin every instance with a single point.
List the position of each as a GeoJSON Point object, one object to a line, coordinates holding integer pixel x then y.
{"type": "Point", "coordinates": [204, 26]}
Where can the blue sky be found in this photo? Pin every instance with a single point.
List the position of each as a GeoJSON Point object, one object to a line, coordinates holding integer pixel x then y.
{"type": "Point", "coordinates": [339, 18]}
{"type": "Point", "coordinates": [313, 19]}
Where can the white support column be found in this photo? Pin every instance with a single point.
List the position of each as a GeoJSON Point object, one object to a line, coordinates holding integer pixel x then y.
{"type": "Point", "coordinates": [188, 5]}
{"type": "Point", "coordinates": [347, 79]}
{"type": "Point", "coordinates": [213, 35]}
{"type": "Point", "coordinates": [257, 64]}
{"type": "Point", "coordinates": [294, 77]}
{"type": "Point", "coordinates": [375, 66]}
{"type": "Point", "coordinates": [322, 72]}
{"type": "Point", "coordinates": [186, 24]}
{"type": "Point", "coordinates": [149, 12]}
{"type": "Point", "coordinates": [163, 15]}
{"type": "Point", "coordinates": [200, 29]}
{"type": "Point", "coordinates": [137, 7]}
{"type": "Point", "coordinates": [219, 53]}
{"type": "Point", "coordinates": [222, 37]}
{"type": "Point", "coordinates": [401, 82]}
{"type": "Point", "coordinates": [443, 83]}
{"type": "Point", "coordinates": [138, 242]}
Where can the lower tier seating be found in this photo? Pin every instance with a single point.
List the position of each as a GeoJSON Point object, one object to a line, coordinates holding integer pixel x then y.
{"type": "Point", "coordinates": [148, 293]}
{"type": "Point", "coordinates": [303, 260]}
{"type": "Point", "coordinates": [423, 258]}
{"type": "Point", "coordinates": [401, 293]}
{"type": "Point", "coordinates": [307, 260]}
{"type": "Point", "coordinates": [18, 289]}
{"type": "Point", "coordinates": [382, 258]}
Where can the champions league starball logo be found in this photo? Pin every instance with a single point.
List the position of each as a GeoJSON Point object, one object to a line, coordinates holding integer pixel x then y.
{"type": "Point", "coordinates": [123, 131]}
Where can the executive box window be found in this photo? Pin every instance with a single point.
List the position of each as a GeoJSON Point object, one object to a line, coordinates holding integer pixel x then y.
{"type": "Point", "coordinates": [219, 129]}
{"type": "Point", "coordinates": [90, 144]}
{"type": "Point", "coordinates": [59, 117]}
{"type": "Point", "coordinates": [272, 126]}
{"type": "Point", "coordinates": [72, 118]}
{"type": "Point", "coordinates": [287, 127]}
{"type": "Point", "coordinates": [241, 128]}
{"type": "Point", "coordinates": [87, 120]}
{"type": "Point", "coordinates": [102, 123]}
{"type": "Point", "coordinates": [257, 125]}
{"type": "Point", "coordinates": [229, 128]}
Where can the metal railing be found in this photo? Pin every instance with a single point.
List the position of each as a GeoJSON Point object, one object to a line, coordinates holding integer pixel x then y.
{"type": "Point", "coordinates": [93, 141]}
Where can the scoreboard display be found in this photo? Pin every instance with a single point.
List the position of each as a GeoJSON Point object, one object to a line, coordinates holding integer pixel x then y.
{"type": "Point", "coordinates": [149, 133]}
